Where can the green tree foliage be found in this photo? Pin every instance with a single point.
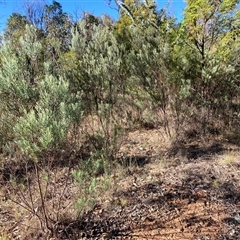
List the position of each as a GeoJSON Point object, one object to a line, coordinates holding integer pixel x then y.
{"type": "Point", "coordinates": [15, 27]}
{"type": "Point", "coordinates": [206, 41]}
{"type": "Point", "coordinates": [52, 24]}
{"type": "Point", "coordinates": [57, 26]}
{"type": "Point", "coordinates": [194, 63]}
{"type": "Point", "coordinates": [136, 13]}
{"type": "Point", "coordinates": [99, 57]}
{"type": "Point", "coordinates": [140, 14]}
{"type": "Point", "coordinates": [55, 76]}
{"type": "Point", "coordinates": [140, 26]}
{"type": "Point", "coordinates": [209, 22]}
{"type": "Point", "coordinates": [97, 75]}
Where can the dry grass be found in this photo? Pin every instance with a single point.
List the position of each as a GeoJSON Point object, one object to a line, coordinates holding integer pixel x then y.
{"type": "Point", "coordinates": [155, 191]}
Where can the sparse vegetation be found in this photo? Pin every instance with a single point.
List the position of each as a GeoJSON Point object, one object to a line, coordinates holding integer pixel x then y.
{"type": "Point", "coordinates": [141, 114]}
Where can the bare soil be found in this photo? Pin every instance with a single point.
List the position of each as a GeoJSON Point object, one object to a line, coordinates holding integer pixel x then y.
{"type": "Point", "coordinates": [170, 191]}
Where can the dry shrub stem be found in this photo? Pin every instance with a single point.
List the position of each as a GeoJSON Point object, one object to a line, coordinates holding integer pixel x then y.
{"type": "Point", "coordinates": [43, 207]}
{"type": "Point", "coordinates": [47, 214]}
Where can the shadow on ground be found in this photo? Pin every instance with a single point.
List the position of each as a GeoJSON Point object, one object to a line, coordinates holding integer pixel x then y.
{"type": "Point", "coordinates": [194, 201]}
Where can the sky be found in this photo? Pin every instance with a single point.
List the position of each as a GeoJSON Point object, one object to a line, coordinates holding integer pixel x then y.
{"type": "Point", "coordinates": [96, 7]}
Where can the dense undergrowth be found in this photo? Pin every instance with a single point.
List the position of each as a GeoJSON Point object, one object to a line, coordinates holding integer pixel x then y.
{"type": "Point", "coordinates": [70, 92]}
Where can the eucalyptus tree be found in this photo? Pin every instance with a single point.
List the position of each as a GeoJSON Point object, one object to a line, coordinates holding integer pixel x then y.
{"type": "Point", "coordinates": [134, 13]}
{"type": "Point", "coordinates": [208, 23]}
{"type": "Point", "coordinates": [206, 55]}
{"type": "Point", "coordinates": [15, 27]}
{"type": "Point", "coordinates": [57, 33]}
{"type": "Point", "coordinates": [57, 24]}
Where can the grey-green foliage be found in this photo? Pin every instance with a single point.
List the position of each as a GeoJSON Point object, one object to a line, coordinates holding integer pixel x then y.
{"type": "Point", "coordinates": [42, 105]}
{"type": "Point", "coordinates": [87, 176]}
{"type": "Point", "coordinates": [147, 62]}
{"type": "Point", "coordinates": [99, 61]}
{"type": "Point", "coordinates": [17, 71]}
{"type": "Point", "coordinates": [46, 125]}
{"type": "Point", "coordinates": [18, 77]}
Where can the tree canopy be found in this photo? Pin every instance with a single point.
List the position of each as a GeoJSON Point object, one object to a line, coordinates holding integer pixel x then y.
{"type": "Point", "coordinates": [79, 88]}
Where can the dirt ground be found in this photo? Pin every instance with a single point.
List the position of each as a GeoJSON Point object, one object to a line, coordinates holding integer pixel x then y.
{"type": "Point", "coordinates": [182, 191]}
